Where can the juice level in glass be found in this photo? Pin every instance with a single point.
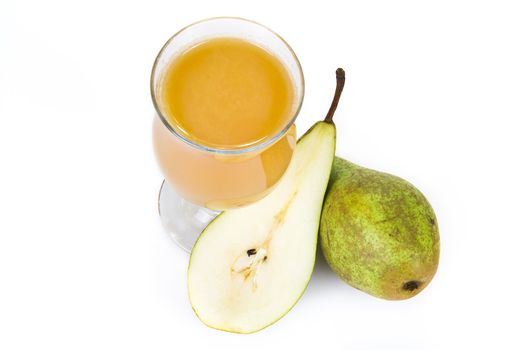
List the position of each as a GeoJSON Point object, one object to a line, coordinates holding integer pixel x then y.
{"type": "Point", "coordinates": [225, 94]}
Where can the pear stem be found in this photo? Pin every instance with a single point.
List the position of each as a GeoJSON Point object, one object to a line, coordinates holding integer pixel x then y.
{"type": "Point", "coordinates": [340, 76]}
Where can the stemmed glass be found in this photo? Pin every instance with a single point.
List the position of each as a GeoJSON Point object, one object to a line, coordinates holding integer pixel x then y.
{"type": "Point", "coordinates": [200, 181]}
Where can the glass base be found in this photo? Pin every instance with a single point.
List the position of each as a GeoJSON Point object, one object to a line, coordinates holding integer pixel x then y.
{"type": "Point", "coordinates": [182, 220]}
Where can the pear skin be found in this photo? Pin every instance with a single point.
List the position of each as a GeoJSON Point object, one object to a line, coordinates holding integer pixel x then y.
{"type": "Point", "coordinates": [378, 232]}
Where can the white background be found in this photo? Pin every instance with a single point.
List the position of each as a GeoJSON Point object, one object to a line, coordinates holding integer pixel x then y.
{"type": "Point", "coordinates": [435, 93]}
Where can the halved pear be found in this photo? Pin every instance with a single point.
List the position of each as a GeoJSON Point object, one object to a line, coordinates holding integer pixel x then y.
{"type": "Point", "coordinates": [251, 265]}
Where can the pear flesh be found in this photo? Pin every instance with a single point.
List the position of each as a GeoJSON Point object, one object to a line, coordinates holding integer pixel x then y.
{"type": "Point", "coordinates": [252, 264]}
{"type": "Point", "coordinates": [378, 232]}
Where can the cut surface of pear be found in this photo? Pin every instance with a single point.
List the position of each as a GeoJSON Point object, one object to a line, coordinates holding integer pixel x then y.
{"type": "Point", "coordinates": [251, 265]}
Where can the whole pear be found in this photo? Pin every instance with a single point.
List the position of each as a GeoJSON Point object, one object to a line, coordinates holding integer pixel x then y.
{"type": "Point", "coordinates": [378, 232]}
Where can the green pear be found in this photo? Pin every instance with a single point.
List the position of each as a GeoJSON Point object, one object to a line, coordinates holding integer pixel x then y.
{"type": "Point", "coordinates": [251, 265]}
{"type": "Point", "coordinates": [378, 232]}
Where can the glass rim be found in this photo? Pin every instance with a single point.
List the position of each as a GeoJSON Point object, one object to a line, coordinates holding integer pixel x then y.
{"type": "Point", "coordinates": [240, 150]}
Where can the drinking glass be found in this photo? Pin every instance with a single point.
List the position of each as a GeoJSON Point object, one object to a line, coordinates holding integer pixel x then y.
{"type": "Point", "coordinates": [200, 181]}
